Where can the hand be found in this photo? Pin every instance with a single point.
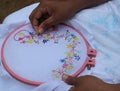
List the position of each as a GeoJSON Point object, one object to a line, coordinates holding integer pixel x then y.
{"type": "Point", "coordinates": [86, 83]}
{"type": "Point", "coordinates": [51, 12]}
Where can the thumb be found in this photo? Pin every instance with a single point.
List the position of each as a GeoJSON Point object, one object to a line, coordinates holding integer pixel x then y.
{"type": "Point", "coordinates": [69, 79]}
{"type": "Point", "coordinates": [45, 24]}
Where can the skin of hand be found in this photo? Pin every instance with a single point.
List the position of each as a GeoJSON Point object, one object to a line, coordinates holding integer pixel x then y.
{"type": "Point", "coordinates": [51, 12]}
{"type": "Point", "coordinates": [89, 83]}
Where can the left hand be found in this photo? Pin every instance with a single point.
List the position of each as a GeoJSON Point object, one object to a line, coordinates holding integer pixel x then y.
{"type": "Point", "coordinates": [86, 83]}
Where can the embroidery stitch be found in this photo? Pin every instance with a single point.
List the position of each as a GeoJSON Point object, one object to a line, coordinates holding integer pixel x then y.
{"type": "Point", "coordinates": [71, 56]}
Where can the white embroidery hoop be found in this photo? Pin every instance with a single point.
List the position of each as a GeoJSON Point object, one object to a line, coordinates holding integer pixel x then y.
{"type": "Point", "coordinates": [35, 63]}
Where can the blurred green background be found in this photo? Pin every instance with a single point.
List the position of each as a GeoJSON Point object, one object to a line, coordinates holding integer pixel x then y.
{"type": "Point", "coordinates": [9, 6]}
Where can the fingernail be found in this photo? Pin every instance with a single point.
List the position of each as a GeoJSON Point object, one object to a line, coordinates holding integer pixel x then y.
{"type": "Point", "coordinates": [64, 77]}
{"type": "Point", "coordinates": [40, 31]}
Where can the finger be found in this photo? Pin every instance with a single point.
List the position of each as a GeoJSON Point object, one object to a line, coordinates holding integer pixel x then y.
{"type": "Point", "coordinates": [46, 23]}
{"type": "Point", "coordinates": [37, 19]}
{"type": "Point", "coordinates": [34, 19]}
{"type": "Point", "coordinates": [69, 79]}
{"type": "Point", "coordinates": [32, 15]}
{"type": "Point", "coordinates": [72, 89]}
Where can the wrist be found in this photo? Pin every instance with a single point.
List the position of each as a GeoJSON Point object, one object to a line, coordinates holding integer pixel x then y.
{"type": "Point", "coordinates": [83, 4]}
{"type": "Point", "coordinates": [110, 87]}
{"type": "Point", "coordinates": [78, 5]}
{"type": "Point", "coordinates": [114, 87]}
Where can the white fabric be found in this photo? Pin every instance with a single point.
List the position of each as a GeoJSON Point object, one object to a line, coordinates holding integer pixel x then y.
{"type": "Point", "coordinates": [102, 25]}
{"type": "Point", "coordinates": [26, 53]}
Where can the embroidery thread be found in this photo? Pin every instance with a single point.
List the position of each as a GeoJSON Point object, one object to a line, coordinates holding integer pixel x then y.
{"type": "Point", "coordinates": [71, 56]}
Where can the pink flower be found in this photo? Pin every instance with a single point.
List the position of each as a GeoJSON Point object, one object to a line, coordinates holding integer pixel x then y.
{"type": "Point", "coordinates": [28, 37]}
{"type": "Point", "coordinates": [64, 65]}
{"type": "Point", "coordinates": [70, 60]}
{"type": "Point", "coordinates": [60, 72]}
{"type": "Point", "coordinates": [20, 39]}
{"type": "Point", "coordinates": [72, 50]}
{"type": "Point", "coordinates": [53, 37]}
{"type": "Point", "coordinates": [74, 44]}
{"type": "Point", "coordinates": [53, 71]}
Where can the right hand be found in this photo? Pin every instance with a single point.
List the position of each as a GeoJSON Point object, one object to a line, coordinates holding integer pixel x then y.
{"type": "Point", "coordinates": [51, 12]}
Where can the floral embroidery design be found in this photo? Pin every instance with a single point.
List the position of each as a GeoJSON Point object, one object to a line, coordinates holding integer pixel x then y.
{"type": "Point", "coordinates": [71, 56]}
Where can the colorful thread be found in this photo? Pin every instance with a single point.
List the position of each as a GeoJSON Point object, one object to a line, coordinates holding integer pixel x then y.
{"type": "Point", "coordinates": [71, 56]}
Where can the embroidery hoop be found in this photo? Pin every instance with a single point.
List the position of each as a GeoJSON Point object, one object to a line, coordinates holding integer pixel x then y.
{"type": "Point", "coordinates": [89, 61]}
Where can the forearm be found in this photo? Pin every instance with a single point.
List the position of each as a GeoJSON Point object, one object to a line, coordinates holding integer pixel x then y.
{"type": "Point", "coordinates": [93, 3]}
{"type": "Point", "coordinates": [114, 87]}
{"type": "Point", "coordinates": [83, 4]}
